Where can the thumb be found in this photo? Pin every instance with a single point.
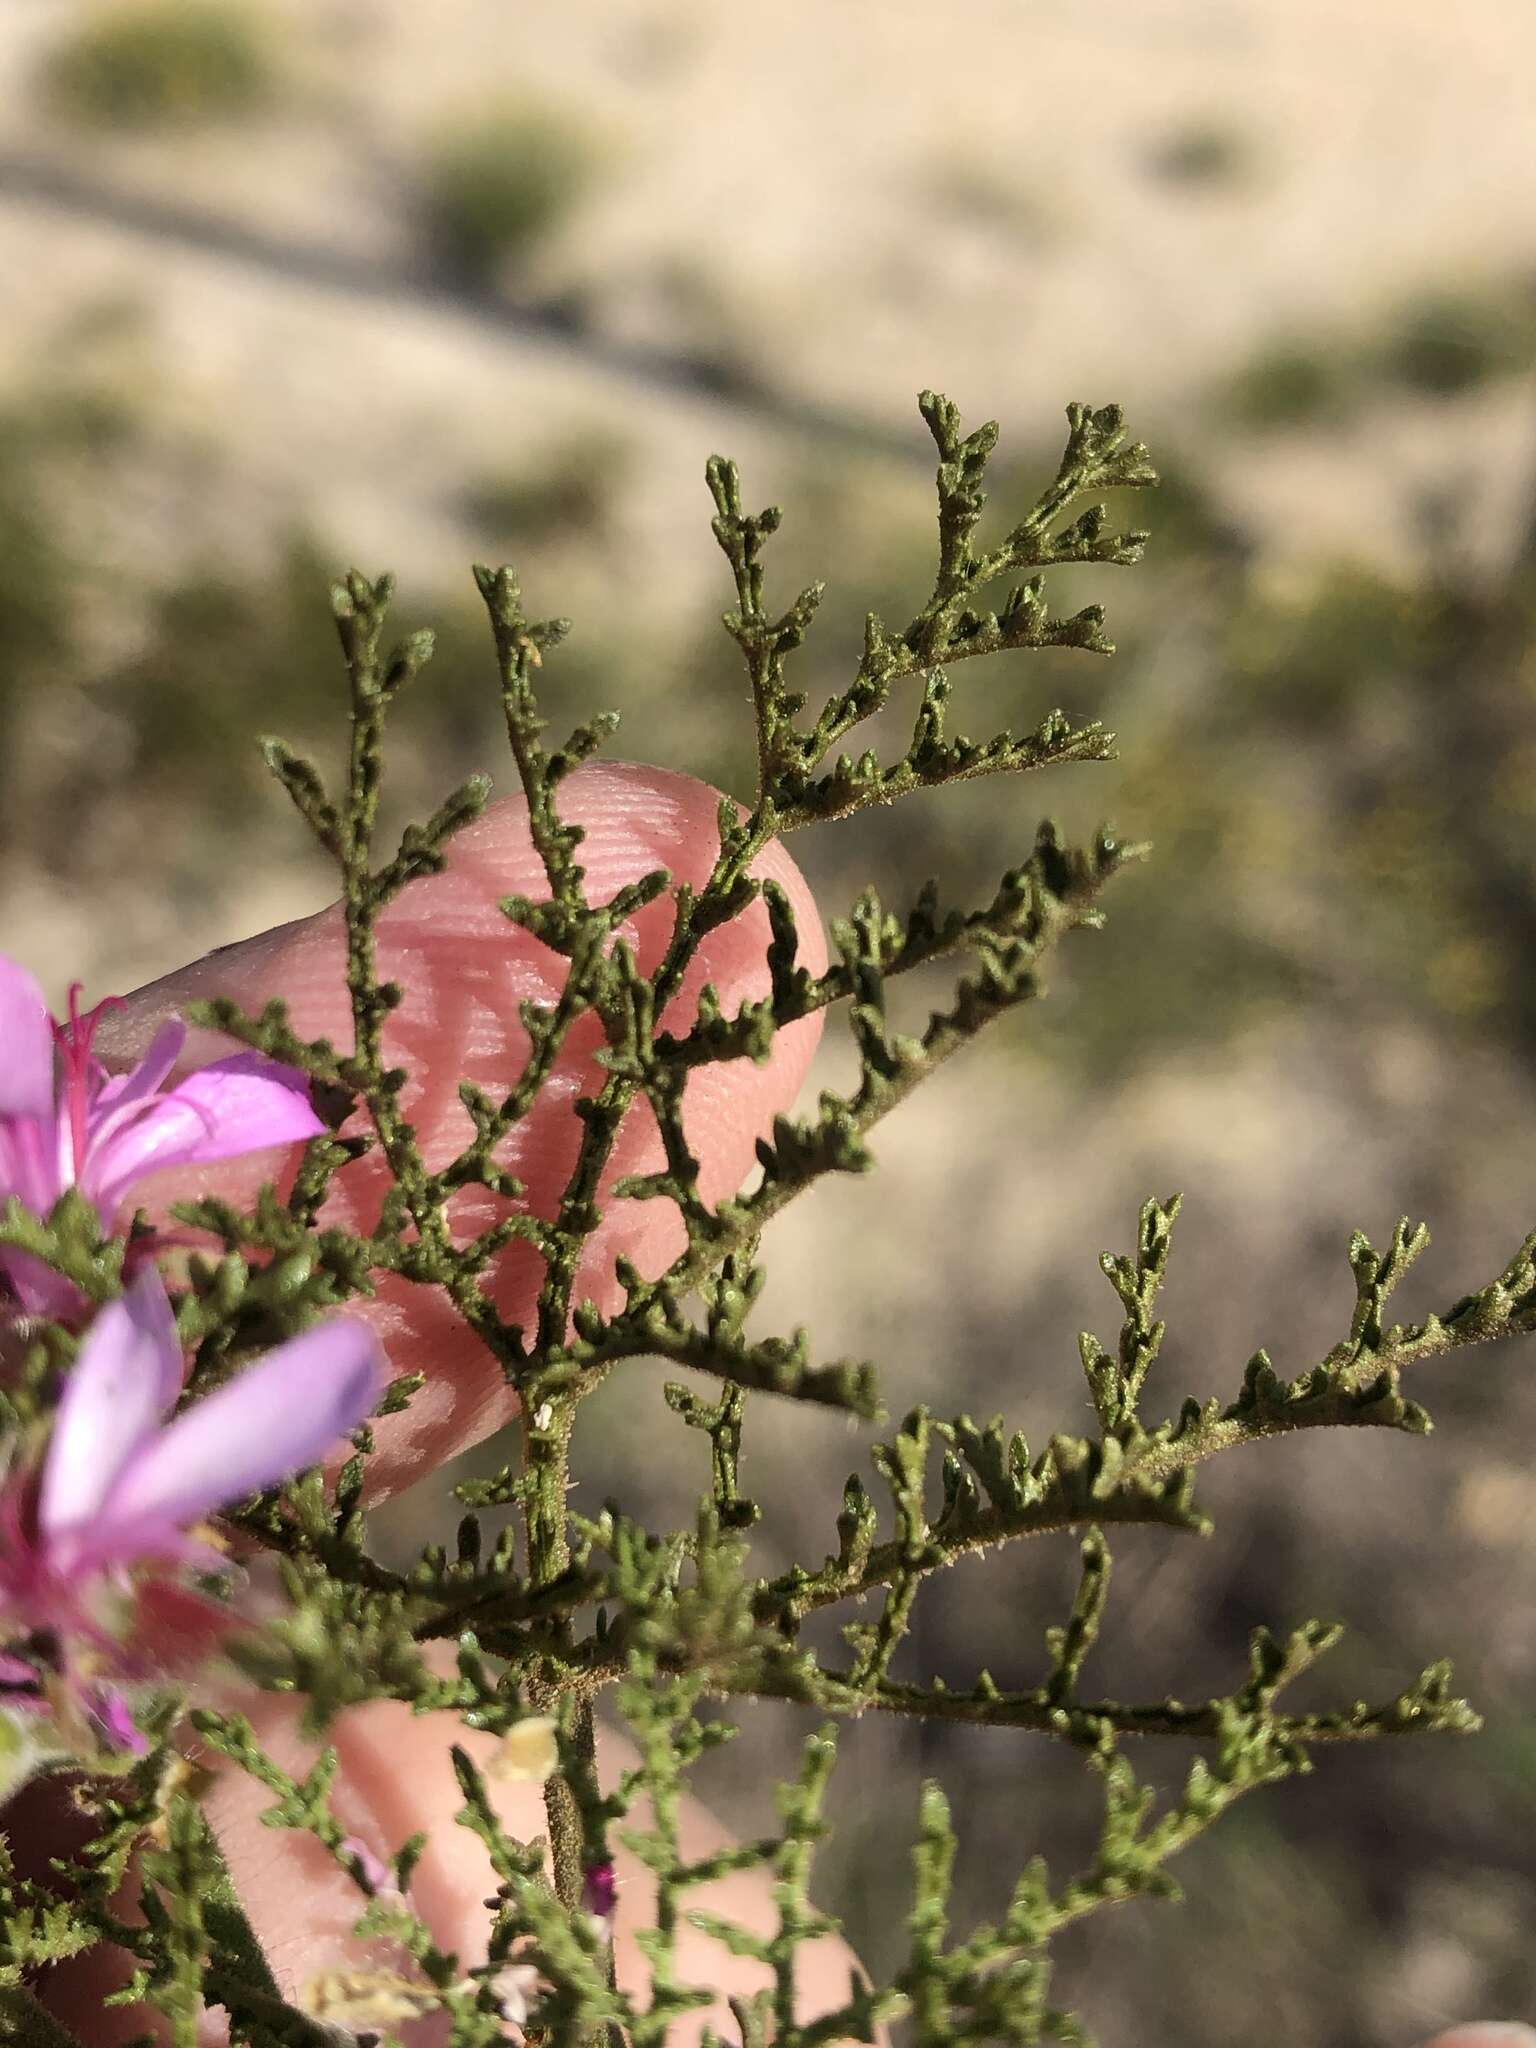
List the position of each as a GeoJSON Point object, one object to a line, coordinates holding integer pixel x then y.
{"type": "Point", "coordinates": [465, 972]}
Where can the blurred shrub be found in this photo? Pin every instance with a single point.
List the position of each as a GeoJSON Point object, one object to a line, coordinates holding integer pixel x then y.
{"type": "Point", "coordinates": [1437, 345]}
{"type": "Point", "coordinates": [1203, 152]}
{"type": "Point", "coordinates": [43, 430]}
{"type": "Point", "coordinates": [35, 592]}
{"type": "Point", "coordinates": [496, 186]}
{"type": "Point", "coordinates": [1326, 654]}
{"type": "Point", "coordinates": [160, 63]}
{"type": "Point", "coordinates": [569, 493]}
{"type": "Point", "coordinates": [1449, 342]}
{"type": "Point", "coordinates": [225, 657]}
{"type": "Point", "coordinates": [1291, 384]}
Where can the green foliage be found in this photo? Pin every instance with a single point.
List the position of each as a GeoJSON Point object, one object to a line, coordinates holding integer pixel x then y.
{"type": "Point", "coordinates": [1290, 384]}
{"type": "Point", "coordinates": [555, 1610]}
{"type": "Point", "coordinates": [1436, 345]}
{"type": "Point", "coordinates": [162, 63]}
{"type": "Point", "coordinates": [1449, 342]}
{"type": "Point", "coordinates": [33, 621]}
{"type": "Point", "coordinates": [496, 185]}
{"type": "Point", "coordinates": [178, 701]}
{"type": "Point", "coordinates": [568, 495]}
{"type": "Point", "coordinates": [39, 430]}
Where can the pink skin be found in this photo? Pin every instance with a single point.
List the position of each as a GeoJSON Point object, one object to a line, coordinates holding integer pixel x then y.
{"type": "Point", "coordinates": [65, 1122]}
{"type": "Point", "coordinates": [463, 970]}
{"type": "Point", "coordinates": [121, 1480]}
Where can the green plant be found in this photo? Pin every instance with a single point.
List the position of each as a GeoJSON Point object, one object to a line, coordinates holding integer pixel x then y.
{"type": "Point", "coordinates": [1290, 384]}
{"type": "Point", "coordinates": [1445, 343]}
{"type": "Point", "coordinates": [1437, 345]}
{"type": "Point", "coordinates": [162, 63]}
{"type": "Point", "coordinates": [568, 494]}
{"type": "Point", "coordinates": [548, 1614]}
{"type": "Point", "coordinates": [497, 185]}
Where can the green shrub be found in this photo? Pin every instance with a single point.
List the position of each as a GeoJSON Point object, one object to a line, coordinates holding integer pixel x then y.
{"type": "Point", "coordinates": [495, 187]}
{"type": "Point", "coordinates": [216, 643]}
{"type": "Point", "coordinates": [1449, 343]}
{"type": "Point", "coordinates": [1290, 384]}
{"type": "Point", "coordinates": [569, 491]}
{"type": "Point", "coordinates": [161, 63]}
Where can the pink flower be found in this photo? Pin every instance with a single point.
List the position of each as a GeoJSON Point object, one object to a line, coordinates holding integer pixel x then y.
{"type": "Point", "coordinates": [121, 1482]}
{"type": "Point", "coordinates": [372, 1869]}
{"type": "Point", "coordinates": [600, 1894]}
{"type": "Point", "coordinates": [65, 1122]}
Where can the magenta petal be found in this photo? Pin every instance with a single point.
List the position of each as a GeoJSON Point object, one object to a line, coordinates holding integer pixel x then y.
{"type": "Point", "coordinates": [38, 1289]}
{"type": "Point", "coordinates": [125, 1378]}
{"type": "Point", "coordinates": [242, 1104]}
{"type": "Point", "coordinates": [599, 1890]}
{"type": "Point", "coordinates": [375, 1872]}
{"type": "Point", "coordinates": [248, 1102]}
{"type": "Point", "coordinates": [110, 1711]}
{"type": "Point", "coordinates": [276, 1419]}
{"type": "Point", "coordinates": [26, 1045]}
{"type": "Point", "coordinates": [142, 1080]}
{"type": "Point", "coordinates": [29, 1161]}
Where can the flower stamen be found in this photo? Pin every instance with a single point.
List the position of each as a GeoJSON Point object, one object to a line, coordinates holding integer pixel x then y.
{"type": "Point", "coordinates": [73, 1039]}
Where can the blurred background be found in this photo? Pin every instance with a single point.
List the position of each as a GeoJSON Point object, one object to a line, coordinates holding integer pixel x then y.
{"type": "Point", "coordinates": [305, 282]}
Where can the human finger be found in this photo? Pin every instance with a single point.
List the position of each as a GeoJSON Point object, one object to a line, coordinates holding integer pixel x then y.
{"type": "Point", "coordinates": [465, 972]}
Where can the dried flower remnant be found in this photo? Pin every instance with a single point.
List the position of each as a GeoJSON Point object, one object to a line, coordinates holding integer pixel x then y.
{"type": "Point", "coordinates": [92, 1535]}
{"type": "Point", "coordinates": [528, 1752]}
{"type": "Point", "coordinates": [65, 1122]}
{"type": "Point", "coordinates": [367, 1998]}
{"type": "Point", "coordinates": [516, 1990]}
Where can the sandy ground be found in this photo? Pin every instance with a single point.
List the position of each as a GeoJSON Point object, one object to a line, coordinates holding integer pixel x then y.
{"type": "Point", "coordinates": [853, 203]}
